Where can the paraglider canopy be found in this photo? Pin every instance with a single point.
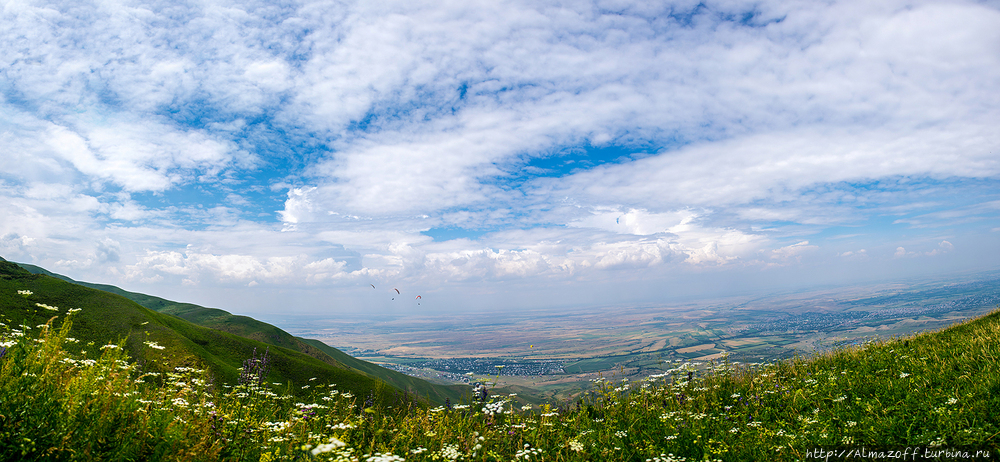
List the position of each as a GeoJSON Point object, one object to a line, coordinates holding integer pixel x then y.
{"type": "Point", "coordinates": [397, 290]}
{"type": "Point", "coordinates": [418, 298]}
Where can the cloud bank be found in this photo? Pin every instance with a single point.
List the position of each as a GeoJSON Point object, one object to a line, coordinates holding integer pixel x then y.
{"type": "Point", "coordinates": [462, 146]}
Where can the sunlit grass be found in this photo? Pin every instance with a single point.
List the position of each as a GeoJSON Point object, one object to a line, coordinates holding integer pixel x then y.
{"type": "Point", "coordinates": [931, 390]}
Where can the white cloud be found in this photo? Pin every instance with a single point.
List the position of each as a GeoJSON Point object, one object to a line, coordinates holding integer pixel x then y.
{"type": "Point", "coordinates": [129, 211]}
{"type": "Point", "coordinates": [382, 121]}
{"type": "Point", "coordinates": [147, 156]}
{"type": "Point", "coordinates": [900, 252]}
{"type": "Point", "coordinates": [774, 167]}
{"type": "Point", "coordinates": [108, 250]}
{"type": "Point", "coordinates": [861, 254]}
{"type": "Point", "coordinates": [943, 247]}
{"type": "Point", "coordinates": [760, 86]}
{"type": "Point", "coordinates": [792, 252]}
{"type": "Point", "coordinates": [197, 267]}
{"type": "Point", "coordinates": [639, 222]}
{"type": "Point", "coordinates": [15, 246]}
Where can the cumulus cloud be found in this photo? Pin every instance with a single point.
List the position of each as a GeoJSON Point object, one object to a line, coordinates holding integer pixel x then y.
{"type": "Point", "coordinates": [943, 247]}
{"type": "Point", "coordinates": [15, 246]}
{"type": "Point", "coordinates": [197, 267]}
{"type": "Point", "coordinates": [108, 250]}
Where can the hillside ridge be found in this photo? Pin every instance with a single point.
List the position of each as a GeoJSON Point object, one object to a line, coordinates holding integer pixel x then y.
{"type": "Point", "coordinates": [248, 327]}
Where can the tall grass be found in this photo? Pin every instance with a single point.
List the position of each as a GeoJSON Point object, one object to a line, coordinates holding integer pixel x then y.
{"type": "Point", "coordinates": [938, 390]}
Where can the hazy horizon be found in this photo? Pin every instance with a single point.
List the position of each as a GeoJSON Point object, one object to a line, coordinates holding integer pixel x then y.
{"type": "Point", "coordinates": [308, 158]}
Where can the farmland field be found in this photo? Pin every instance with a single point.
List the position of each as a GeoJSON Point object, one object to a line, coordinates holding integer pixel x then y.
{"type": "Point", "coordinates": [552, 354]}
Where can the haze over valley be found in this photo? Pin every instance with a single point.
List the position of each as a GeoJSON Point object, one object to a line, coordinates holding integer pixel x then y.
{"type": "Point", "coordinates": [555, 354]}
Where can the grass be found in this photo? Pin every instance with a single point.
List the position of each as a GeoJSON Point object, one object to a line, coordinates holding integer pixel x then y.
{"type": "Point", "coordinates": [934, 391]}
{"type": "Point", "coordinates": [106, 318]}
{"type": "Point", "coordinates": [253, 329]}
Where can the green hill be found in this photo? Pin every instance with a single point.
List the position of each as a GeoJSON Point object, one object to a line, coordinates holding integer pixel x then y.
{"type": "Point", "coordinates": [103, 319]}
{"type": "Point", "coordinates": [250, 328]}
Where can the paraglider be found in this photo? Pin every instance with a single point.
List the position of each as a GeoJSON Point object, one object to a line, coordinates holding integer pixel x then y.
{"type": "Point", "coordinates": [418, 298]}
{"type": "Point", "coordinates": [373, 286]}
{"type": "Point", "coordinates": [397, 290]}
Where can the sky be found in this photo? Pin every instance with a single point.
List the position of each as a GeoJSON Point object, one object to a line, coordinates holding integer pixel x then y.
{"type": "Point", "coordinates": [308, 158]}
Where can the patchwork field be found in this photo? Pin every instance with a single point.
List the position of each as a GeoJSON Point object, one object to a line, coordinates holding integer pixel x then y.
{"type": "Point", "coordinates": [556, 354]}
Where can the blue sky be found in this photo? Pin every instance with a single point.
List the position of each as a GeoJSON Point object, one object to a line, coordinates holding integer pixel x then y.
{"type": "Point", "coordinates": [286, 156]}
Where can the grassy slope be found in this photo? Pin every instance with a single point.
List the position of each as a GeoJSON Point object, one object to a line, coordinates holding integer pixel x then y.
{"type": "Point", "coordinates": [437, 393]}
{"type": "Point", "coordinates": [253, 329]}
{"type": "Point", "coordinates": [932, 390]}
{"type": "Point", "coordinates": [106, 318]}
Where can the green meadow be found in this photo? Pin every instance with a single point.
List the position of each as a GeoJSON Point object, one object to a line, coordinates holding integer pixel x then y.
{"type": "Point", "coordinates": [139, 396]}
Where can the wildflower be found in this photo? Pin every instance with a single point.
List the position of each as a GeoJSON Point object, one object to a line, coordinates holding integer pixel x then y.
{"type": "Point", "coordinates": [379, 457]}
{"type": "Point", "coordinates": [327, 447]}
{"type": "Point", "coordinates": [105, 347]}
{"type": "Point", "coordinates": [576, 445]}
{"type": "Point", "coordinates": [494, 408]}
{"type": "Point", "coordinates": [952, 401]}
{"type": "Point", "coordinates": [450, 452]}
{"type": "Point", "coordinates": [903, 375]}
{"type": "Point", "coordinates": [24, 292]}
{"type": "Point", "coordinates": [154, 345]}
{"type": "Point", "coordinates": [47, 307]}
{"type": "Point", "coordinates": [527, 452]}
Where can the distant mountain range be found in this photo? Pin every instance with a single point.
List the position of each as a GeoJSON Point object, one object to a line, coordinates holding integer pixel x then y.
{"type": "Point", "coordinates": [193, 335]}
